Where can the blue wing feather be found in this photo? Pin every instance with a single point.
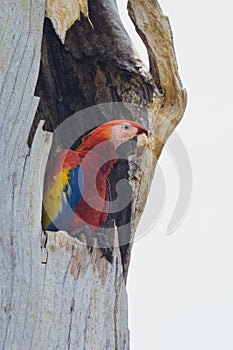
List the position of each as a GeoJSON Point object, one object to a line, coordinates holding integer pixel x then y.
{"type": "Point", "coordinates": [63, 202]}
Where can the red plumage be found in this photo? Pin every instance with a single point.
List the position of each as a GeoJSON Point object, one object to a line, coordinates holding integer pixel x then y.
{"type": "Point", "coordinates": [94, 205]}
{"type": "Point", "coordinates": [99, 156]}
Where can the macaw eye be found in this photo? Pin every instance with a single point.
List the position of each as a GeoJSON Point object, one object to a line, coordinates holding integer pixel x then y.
{"type": "Point", "coordinates": [126, 127]}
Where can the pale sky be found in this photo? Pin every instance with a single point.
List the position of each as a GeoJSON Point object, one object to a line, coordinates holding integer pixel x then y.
{"type": "Point", "coordinates": [181, 285]}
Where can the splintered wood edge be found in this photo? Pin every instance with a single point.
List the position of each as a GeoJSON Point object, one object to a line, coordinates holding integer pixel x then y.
{"type": "Point", "coordinates": [155, 31]}
{"type": "Point", "coordinates": [64, 13]}
{"type": "Point", "coordinates": [80, 256]}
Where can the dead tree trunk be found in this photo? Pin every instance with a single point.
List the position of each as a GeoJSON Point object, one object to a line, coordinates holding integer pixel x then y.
{"type": "Point", "coordinates": [54, 295]}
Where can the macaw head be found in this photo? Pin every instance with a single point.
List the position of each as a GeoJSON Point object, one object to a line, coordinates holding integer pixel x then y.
{"type": "Point", "coordinates": [124, 131]}
{"type": "Point", "coordinates": [107, 137]}
{"type": "Point", "coordinates": [116, 132]}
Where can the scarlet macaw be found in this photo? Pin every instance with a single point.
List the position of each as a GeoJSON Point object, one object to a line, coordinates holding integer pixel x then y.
{"type": "Point", "coordinates": [76, 187]}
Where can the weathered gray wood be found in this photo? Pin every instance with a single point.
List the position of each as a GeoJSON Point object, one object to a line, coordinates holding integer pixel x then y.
{"type": "Point", "coordinates": [53, 294]}
{"type": "Point", "coordinates": [21, 30]}
{"type": "Point", "coordinates": [72, 301]}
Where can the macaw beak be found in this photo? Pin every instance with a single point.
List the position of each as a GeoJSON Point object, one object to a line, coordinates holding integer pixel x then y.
{"type": "Point", "coordinates": [142, 130]}
{"type": "Point", "coordinates": [141, 139]}
{"type": "Point", "coordinates": [142, 143]}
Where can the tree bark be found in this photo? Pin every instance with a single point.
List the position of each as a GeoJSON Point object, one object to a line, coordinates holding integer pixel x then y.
{"type": "Point", "coordinates": [54, 294]}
